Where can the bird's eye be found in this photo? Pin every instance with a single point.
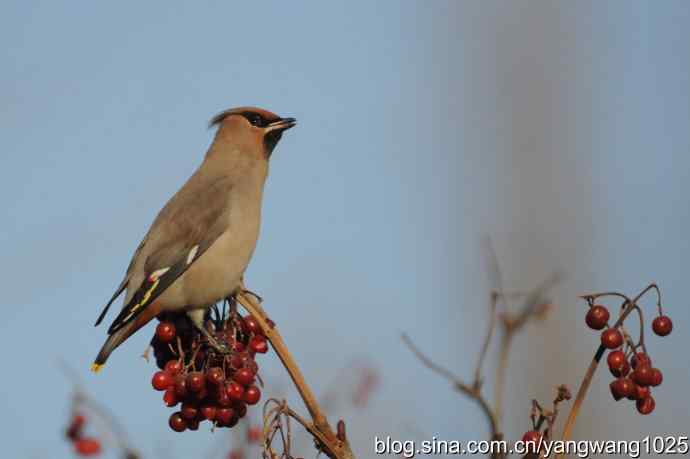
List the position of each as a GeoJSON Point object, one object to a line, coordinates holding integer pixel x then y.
{"type": "Point", "coordinates": [255, 120]}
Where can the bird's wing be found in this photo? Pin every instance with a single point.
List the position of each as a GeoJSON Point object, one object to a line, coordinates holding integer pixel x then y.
{"type": "Point", "coordinates": [186, 227]}
{"type": "Point", "coordinates": [125, 282]}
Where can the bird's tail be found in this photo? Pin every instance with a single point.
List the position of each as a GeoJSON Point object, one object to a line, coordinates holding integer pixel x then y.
{"type": "Point", "coordinates": [110, 345]}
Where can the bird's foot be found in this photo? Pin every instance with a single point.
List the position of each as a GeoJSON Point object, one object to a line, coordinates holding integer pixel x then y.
{"type": "Point", "coordinates": [255, 295]}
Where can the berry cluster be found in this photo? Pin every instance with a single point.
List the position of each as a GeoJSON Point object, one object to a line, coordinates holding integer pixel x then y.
{"type": "Point", "coordinates": [83, 445]}
{"type": "Point", "coordinates": [208, 383]}
{"type": "Point", "coordinates": [632, 368]}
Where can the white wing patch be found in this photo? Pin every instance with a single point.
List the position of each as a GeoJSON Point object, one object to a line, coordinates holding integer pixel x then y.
{"type": "Point", "coordinates": [192, 254]}
{"type": "Point", "coordinates": [158, 273]}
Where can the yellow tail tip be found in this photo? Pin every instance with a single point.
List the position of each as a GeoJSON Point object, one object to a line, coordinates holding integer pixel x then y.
{"type": "Point", "coordinates": [96, 367]}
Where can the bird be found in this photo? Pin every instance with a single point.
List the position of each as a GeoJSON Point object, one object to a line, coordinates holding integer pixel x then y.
{"type": "Point", "coordinates": [199, 245]}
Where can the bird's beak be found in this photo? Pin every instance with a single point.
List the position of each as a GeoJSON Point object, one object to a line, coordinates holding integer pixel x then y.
{"type": "Point", "coordinates": [283, 124]}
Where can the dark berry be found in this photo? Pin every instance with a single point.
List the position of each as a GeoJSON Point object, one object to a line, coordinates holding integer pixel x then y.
{"type": "Point", "coordinates": [251, 325]}
{"type": "Point", "coordinates": [181, 386]}
{"type": "Point", "coordinates": [258, 344]}
{"type": "Point", "coordinates": [224, 415]}
{"type": "Point", "coordinates": [165, 332]}
{"type": "Point", "coordinates": [173, 367]}
{"type": "Point", "coordinates": [641, 392]}
{"type": "Point", "coordinates": [177, 422]}
{"type": "Point", "coordinates": [170, 397]}
{"type": "Point", "coordinates": [643, 375]}
{"type": "Point", "coordinates": [657, 377]}
{"type": "Point", "coordinates": [189, 410]}
{"type": "Point", "coordinates": [621, 387]}
{"type": "Point", "coordinates": [215, 376]}
{"type": "Point", "coordinates": [618, 364]}
{"type": "Point", "coordinates": [162, 380]}
{"type": "Point", "coordinates": [646, 405]}
{"type": "Point", "coordinates": [252, 395]}
{"type": "Point", "coordinates": [640, 357]}
{"type": "Point", "coordinates": [662, 325]}
{"type": "Point", "coordinates": [235, 391]}
{"type": "Point", "coordinates": [208, 411]}
{"type": "Point", "coordinates": [223, 399]}
{"type": "Point", "coordinates": [240, 409]}
{"type": "Point", "coordinates": [244, 376]}
{"type": "Point", "coordinates": [195, 381]}
{"type": "Point", "coordinates": [597, 317]}
{"type": "Point", "coordinates": [611, 338]}
{"type": "Point", "coordinates": [633, 393]}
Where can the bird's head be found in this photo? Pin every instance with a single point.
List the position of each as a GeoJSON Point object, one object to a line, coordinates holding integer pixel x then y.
{"type": "Point", "coordinates": [251, 128]}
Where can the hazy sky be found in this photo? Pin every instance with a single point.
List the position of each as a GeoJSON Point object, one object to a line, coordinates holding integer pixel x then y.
{"type": "Point", "coordinates": [561, 130]}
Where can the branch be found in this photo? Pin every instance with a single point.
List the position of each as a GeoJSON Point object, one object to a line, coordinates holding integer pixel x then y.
{"type": "Point", "coordinates": [473, 391]}
{"type": "Point", "coordinates": [336, 446]}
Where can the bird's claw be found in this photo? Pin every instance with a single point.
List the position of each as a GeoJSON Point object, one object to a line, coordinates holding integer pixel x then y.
{"type": "Point", "coordinates": [255, 295]}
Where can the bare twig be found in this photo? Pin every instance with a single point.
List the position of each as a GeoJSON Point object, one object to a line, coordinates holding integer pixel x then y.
{"type": "Point", "coordinates": [328, 441]}
{"type": "Point", "coordinates": [534, 305]}
{"type": "Point", "coordinates": [471, 391]}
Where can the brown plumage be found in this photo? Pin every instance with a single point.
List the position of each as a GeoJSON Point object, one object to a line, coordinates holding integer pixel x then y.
{"type": "Point", "coordinates": [200, 244]}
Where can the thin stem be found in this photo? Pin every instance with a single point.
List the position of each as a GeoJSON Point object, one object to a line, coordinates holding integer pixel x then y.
{"type": "Point", "coordinates": [501, 369]}
{"type": "Point", "coordinates": [334, 447]}
{"type": "Point", "coordinates": [472, 392]}
{"type": "Point", "coordinates": [487, 339]}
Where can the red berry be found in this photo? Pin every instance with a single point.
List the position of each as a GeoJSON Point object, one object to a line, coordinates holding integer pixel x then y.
{"type": "Point", "coordinates": [195, 381]}
{"type": "Point", "coordinates": [223, 399]}
{"type": "Point", "coordinates": [643, 375]}
{"type": "Point", "coordinates": [618, 364]}
{"type": "Point", "coordinates": [237, 346]}
{"type": "Point", "coordinates": [193, 424]}
{"type": "Point", "coordinates": [165, 332]}
{"type": "Point", "coordinates": [641, 392]}
{"type": "Point", "coordinates": [531, 440]}
{"type": "Point", "coordinates": [258, 344]}
{"type": "Point", "coordinates": [252, 395]}
{"type": "Point", "coordinates": [254, 434]}
{"type": "Point", "coordinates": [646, 405]}
{"type": "Point", "coordinates": [173, 367]}
{"type": "Point", "coordinates": [662, 325]}
{"type": "Point", "coordinates": [215, 375]}
{"type": "Point", "coordinates": [170, 397]}
{"type": "Point", "coordinates": [621, 387]}
{"type": "Point", "coordinates": [244, 376]}
{"type": "Point", "coordinates": [251, 325]}
{"type": "Point", "coordinates": [224, 415]}
{"type": "Point", "coordinates": [181, 386]}
{"type": "Point", "coordinates": [611, 338]}
{"type": "Point", "coordinates": [235, 391]}
{"type": "Point", "coordinates": [177, 422]}
{"type": "Point", "coordinates": [189, 410]}
{"type": "Point", "coordinates": [235, 361]}
{"type": "Point", "coordinates": [633, 393]}
{"type": "Point", "coordinates": [208, 411]}
{"type": "Point", "coordinates": [162, 380]}
{"type": "Point", "coordinates": [240, 409]}
{"type": "Point", "coordinates": [236, 454]}
{"type": "Point", "coordinates": [596, 317]}
{"type": "Point", "coordinates": [640, 357]}
{"type": "Point", "coordinates": [87, 446]}
{"type": "Point", "coordinates": [657, 377]}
